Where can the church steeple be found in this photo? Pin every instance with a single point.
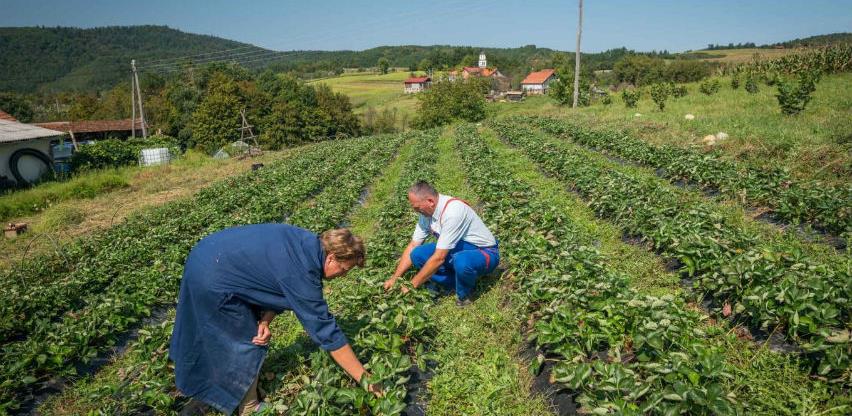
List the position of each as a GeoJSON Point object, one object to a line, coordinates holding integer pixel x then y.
{"type": "Point", "coordinates": [482, 62]}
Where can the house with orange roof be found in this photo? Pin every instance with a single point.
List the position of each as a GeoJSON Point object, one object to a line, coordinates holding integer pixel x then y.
{"type": "Point", "coordinates": [538, 82]}
{"type": "Point", "coordinates": [416, 84]}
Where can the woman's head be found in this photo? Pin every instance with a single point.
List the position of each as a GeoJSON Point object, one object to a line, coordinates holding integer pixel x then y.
{"type": "Point", "coordinates": [343, 251]}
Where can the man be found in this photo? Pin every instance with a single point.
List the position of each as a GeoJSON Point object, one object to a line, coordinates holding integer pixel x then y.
{"type": "Point", "coordinates": [465, 249]}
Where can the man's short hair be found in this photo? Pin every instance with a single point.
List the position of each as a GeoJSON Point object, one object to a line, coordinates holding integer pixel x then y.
{"type": "Point", "coordinates": [423, 189]}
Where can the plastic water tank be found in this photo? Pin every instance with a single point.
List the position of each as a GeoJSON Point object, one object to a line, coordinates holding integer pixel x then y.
{"type": "Point", "coordinates": [156, 156]}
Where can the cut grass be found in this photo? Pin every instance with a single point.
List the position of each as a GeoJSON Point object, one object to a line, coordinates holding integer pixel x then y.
{"type": "Point", "coordinates": [42, 196]}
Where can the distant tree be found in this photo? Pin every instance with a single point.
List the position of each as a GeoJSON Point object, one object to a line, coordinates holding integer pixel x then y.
{"type": "Point", "coordinates": [383, 64]}
{"type": "Point", "coordinates": [83, 107]}
{"type": "Point", "coordinates": [449, 101]}
{"type": "Point", "coordinates": [424, 65]}
{"type": "Point", "coordinates": [216, 121]}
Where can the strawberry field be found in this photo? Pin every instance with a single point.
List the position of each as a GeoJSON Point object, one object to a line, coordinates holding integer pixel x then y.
{"type": "Point", "coordinates": [741, 316]}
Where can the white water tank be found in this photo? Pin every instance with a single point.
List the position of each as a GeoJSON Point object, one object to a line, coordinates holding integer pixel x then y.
{"type": "Point", "coordinates": [156, 156]}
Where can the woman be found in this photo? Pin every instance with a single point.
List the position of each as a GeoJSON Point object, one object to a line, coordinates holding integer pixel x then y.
{"type": "Point", "coordinates": [234, 283]}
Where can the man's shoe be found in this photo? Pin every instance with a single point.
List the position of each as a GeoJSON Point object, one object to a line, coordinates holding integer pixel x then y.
{"type": "Point", "coordinates": [461, 303]}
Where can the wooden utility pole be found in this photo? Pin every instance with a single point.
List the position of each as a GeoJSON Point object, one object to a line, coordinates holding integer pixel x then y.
{"type": "Point", "coordinates": [139, 99]}
{"type": "Point", "coordinates": [577, 58]}
{"type": "Point", "coordinates": [133, 107]}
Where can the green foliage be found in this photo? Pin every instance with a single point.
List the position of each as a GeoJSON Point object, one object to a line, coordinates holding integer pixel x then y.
{"type": "Point", "coordinates": [17, 106]}
{"type": "Point", "coordinates": [660, 93]}
{"type": "Point", "coordinates": [448, 101]}
{"type": "Point", "coordinates": [645, 70]}
{"type": "Point", "coordinates": [112, 153]}
{"type": "Point", "coordinates": [710, 86]}
{"type": "Point", "coordinates": [606, 99]}
{"type": "Point", "coordinates": [36, 199]}
{"type": "Point", "coordinates": [562, 90]}
{"type": "Point", "coordinates": [769, 283]}
{"type": "Point", "coordinates": [794, 97]}
{"type": "Point", "coordinates": [383, 65]}
{"type": "Point", "coordinates": [631, 96]}
{"type": "Point", "coordinates": [679, 91]}
{"type": "Point", "coordinates": [735, 82]}
{"type": "Point", "coordinates": [751, 84]}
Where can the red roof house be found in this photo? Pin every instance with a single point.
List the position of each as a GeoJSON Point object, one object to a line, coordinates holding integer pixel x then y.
{"type": "Point", "coordinates": [538, 82]}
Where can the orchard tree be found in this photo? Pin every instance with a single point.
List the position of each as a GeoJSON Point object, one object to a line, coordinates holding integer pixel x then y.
{"type": "Point", "coordinates": [383, 64]}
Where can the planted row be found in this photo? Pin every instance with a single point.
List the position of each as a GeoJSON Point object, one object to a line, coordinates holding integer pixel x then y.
{"type": "Point", "coordinates": [624, 353]}
{"type": "Point", "coordinates": [55, 348]}
{"type": "Point", "coordinates": [794, 201]}
{"type": "Point", "coordinates": [768, 283]}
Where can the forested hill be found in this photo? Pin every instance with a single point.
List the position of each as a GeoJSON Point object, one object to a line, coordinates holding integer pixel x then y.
{"type": "Point", "coordinates": [63, 58]}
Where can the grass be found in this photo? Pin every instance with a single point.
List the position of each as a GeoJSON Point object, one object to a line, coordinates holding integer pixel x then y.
{"type": "Point", "coordinates": [378, 91]}
{"type": "Point", "coordinates": [814, 144]}
{"type": "Point", "coordinates": [735, 56]}
{"type": "Point", "coordinates": [477, 348]}
{"type": "Point", "coordinates": [145, 188]}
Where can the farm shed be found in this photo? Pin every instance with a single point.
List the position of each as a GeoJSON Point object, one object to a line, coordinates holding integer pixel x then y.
{"type": "Point", "coordinates": [95, 129]}
{"type": "Point", "coordinates": [24, 151]}
{"type": "Point", "coordinates": [417, 84]}
{"type": "Point", "coordinates": [538, 82]}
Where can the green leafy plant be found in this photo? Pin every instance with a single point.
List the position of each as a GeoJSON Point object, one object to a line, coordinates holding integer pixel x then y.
{"type": "Point", "coordinates": [794, 97]}
{"type": "Point", "coordinates": [709, 86]}
{"type": "Point", "coordinates": [751, 85]}
{"type": "Point", "coordinates": [660, 93]}
{"type": "Point", "coordinates": [630, 96]}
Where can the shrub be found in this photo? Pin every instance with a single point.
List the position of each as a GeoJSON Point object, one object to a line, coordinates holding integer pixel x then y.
{"type": "Point", "coordinates": [751, 85]}
{"type": "Point", "coordinates": [448, 101]}
{"type": "Point", "coordinates": [114, 153]}
{"type": "Point", "coordinates": [794, 97]}
{"type": "Point", "coordinates": [735, 82]}
{"type": "Point", "coordinates": [606, 99]}
{"type": "Point", "coordinates": [679, 91]}
{"type": "Point", "coordinates": [630, 96]}
{"type": "Point", "coordinates": [660, 93]}
{"type": "Point", "coordinates": [709, 87]}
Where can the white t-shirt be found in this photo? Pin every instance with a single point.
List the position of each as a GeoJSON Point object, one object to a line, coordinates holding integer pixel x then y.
{"type": "Point", "coordinates": [460, 222]}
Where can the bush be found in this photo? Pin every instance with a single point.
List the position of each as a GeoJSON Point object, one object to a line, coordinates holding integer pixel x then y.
{"type": "Point", "coordinates": [630, 97]}
{"type": "Point", "coordinates": [448, 101]}
{"type": "Point", "coordinates": [112, 153]}
{"type": "Point", "coordinates": [735, 82]}
{"type": "Point", "coordinates": [794, 97]}
{"type": "Point", "coordinates": [709, 87]}
{"type": "Point", "coordinates": [679, 91]}
{"type": "Point", "coordinates": [606, 99]}
{"type": "Point", "coordinates": [562, 90]}
{"type": "Point", "coordinates": [751, 85]}
{"type": "Point", "coordinates": [660, 93]}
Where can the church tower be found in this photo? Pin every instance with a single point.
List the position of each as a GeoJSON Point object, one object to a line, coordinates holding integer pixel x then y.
{"type": "Point", "coordinates": [482, 59]}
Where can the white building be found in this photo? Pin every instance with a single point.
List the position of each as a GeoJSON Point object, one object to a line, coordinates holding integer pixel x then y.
{"type": "Point", "coordinates": [538, 82]}
{"type": "Point", "coordinates": [27, 147]}
{"type": "Point", "coordinates": [417, 84]}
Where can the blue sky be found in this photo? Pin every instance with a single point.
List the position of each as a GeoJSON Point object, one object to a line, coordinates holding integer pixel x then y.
{"type": "Point", "coordinates": [340, 24]}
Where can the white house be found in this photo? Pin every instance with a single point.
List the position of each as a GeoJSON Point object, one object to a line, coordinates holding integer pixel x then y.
{"type": "Point", "coordinates": [417, 84]}
{"type": "Point", "coordinates": [27, 147]}
{"type": "Point", "coordinates": [538, 82]}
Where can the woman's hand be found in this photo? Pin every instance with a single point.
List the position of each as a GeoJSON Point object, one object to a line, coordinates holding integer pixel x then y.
{"type": "Point", "coordinates": [263, 334]}
{"type": "Point", "coordinates": [389, 283]}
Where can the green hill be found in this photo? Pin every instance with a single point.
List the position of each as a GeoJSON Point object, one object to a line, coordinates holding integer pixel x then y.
{"type": "Point", "coordinates": [62, 58]}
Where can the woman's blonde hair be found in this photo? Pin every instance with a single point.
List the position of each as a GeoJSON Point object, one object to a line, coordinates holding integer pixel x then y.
{"type": "Point", "coordinates": [344, 245]}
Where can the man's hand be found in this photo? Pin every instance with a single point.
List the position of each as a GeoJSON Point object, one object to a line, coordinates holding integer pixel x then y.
{"type": "Point", "coordinates": [404, 289]}
{"type": "Point", "coordinates": [389, 283]}
{"type": "Point", "coordinates": [263, 334]}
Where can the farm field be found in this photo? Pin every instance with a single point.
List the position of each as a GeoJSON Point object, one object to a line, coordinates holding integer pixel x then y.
{"type": "Point", "coordinates": [593, 309]}
{"type": "Point", "coordinates": [815, 144]}
{"type": "Point", "coordinates": [374, 90]}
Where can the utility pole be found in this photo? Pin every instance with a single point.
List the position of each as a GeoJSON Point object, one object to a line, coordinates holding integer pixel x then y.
{"type": "Point", "coordinates": [577, 58]}
{"type": "Point", "coordinates": [133, 107]}
{"type": "Point", "coordinates": [139, 99]}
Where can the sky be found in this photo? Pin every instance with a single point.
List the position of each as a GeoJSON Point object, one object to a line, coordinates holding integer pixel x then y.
{"type": "Point", "coordinates": [355, 25]}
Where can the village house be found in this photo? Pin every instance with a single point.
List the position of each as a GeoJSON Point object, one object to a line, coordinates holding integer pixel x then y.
{"type": "Point", "coordinates": [499, 82]}
{"type": "Point", "coordinates": [538, 82]}
{"type": "Point", "coordinates": [417, 84]}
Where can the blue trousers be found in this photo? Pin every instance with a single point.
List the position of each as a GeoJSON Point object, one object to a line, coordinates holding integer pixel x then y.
{"type": "Point", "coordinates": [463, 266]}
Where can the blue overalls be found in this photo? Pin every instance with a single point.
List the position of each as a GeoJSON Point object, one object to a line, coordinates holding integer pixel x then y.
{"type": "Point", "coordinates": [465, 263]}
